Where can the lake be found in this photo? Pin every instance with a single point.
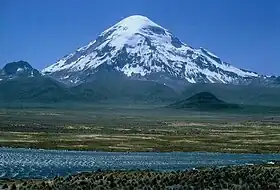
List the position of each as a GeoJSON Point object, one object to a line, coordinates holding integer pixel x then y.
{"type": "Point", "coordinates": [32, 163]}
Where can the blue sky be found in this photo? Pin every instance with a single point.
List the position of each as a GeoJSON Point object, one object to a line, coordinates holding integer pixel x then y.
{"type": "Point", "coordinates": [244, 33]}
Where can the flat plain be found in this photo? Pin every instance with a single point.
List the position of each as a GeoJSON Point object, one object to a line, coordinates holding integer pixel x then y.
{"type": "Point", "coordinates": [108, 127]}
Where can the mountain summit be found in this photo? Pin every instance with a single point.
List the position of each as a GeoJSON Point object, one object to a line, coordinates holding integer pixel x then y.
{"type": "Point", "coordinates": [138, 48]}
{"type": "Point", "coordinates": [18, 69]}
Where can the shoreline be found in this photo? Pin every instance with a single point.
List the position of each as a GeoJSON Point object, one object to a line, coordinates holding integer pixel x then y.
{"type": "Point", "coordinates": [131, 151]}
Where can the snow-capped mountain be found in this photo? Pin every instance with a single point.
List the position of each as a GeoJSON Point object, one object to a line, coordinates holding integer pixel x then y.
{"type": "Point", "coordinates": [18, 69]}
{"type": "Point", "coordinates": [137, 47]}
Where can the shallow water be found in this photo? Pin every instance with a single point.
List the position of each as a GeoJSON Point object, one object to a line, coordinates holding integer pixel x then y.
{"type": "Point", "coordinates": [31, 163]}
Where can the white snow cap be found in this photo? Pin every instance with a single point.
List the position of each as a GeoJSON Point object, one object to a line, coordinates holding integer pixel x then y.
{"type": "Point", "coordinates": [137, 21]}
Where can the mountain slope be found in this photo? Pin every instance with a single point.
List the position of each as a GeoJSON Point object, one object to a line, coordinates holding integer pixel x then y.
{"type": "Point", "coordinates": [118, 88]}
{"type": "Point", "coordinates": [138, 48]}
{"type": "Point", "coordinates": [33, 89]}
{"type": "Point", "coordinates": [42, 89]}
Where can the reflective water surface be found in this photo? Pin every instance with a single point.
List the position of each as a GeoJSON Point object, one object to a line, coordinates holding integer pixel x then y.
{"type": "Point", "coordinates": [31, 163]}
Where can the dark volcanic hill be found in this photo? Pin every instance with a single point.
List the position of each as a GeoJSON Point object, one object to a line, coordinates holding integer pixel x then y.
{"type": "Point", "coordinates": [237, 94]}
{"type": "Point", "coordinates": [203, 101]}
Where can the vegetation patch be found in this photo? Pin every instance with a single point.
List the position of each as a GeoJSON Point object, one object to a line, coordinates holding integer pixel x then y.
{"type": "Point", "coordinates": [141, 129]}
